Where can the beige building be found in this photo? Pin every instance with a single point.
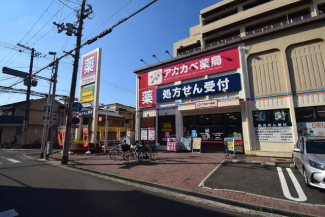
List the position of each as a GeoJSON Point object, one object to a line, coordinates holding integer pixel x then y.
{"type": "Point", "coordinates": [12, 117]}
{"type": "Point", "coordinates": [276, 47]}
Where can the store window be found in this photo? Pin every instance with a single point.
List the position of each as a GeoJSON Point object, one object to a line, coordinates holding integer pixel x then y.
{"type": "Point", "coordinates": [310, 114]}
{"type": "Point", "coordinates": [311, 121]}
{"type": "Point", "coordinates": [272, 116]}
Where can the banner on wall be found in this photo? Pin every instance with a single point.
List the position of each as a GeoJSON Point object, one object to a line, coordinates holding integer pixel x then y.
{"type": "Point", "coordinates": [274, 132]}
{"type": "Point", "coordinates": [220, 61]}
{"type": "Point", "coordinates": [85, 135]}
{"type": "Point", "coordinates": [61, 135]}
{"type": "Point", "coordinates": [118, 134]}
{"type": "Point", "coordinates": [101, 134]}
{"type": "Point", "coordinates": [217, 85]}
{"type": "Point", "coordinates": [311, 128]}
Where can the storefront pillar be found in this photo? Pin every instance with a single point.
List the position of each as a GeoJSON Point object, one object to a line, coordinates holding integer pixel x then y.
{"type": "Point", "coordinates": [79, 130]}
{"type": "Point", "coordinates": [178, 124]}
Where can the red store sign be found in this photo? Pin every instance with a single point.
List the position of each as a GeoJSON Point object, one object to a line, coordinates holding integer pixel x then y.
{"type": "Point", "coordinates": [147, 97]}
{"type": "Point", "coordinates": [209, 64]}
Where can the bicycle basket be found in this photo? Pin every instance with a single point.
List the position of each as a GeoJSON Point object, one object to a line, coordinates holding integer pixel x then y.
{"type": "Point", "coordinates": [138, 148]}
{"type": "Point", "coordinates": [125, 147]}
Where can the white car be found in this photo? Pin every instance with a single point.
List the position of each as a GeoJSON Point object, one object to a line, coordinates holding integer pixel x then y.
{"type": "Point", "coordinates": [309, 158]}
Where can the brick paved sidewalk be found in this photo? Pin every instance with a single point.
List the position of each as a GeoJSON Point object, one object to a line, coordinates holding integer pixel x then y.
{"type": "Point", "coordinates": [185, 171]}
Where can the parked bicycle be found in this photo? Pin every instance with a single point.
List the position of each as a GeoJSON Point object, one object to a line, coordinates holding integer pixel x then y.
{"type": "Point", "coordinates": [10, 144]}
{"type": "Point", "coordinates": [148, 152]}
{"type": "Point", "coordinates": [226, 150]}
{"type": "Point", "coordinates": [121, 150]}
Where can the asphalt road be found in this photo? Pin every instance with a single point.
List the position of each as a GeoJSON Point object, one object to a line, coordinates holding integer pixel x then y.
{"type": "Point", "coordinates": [34, 188]}
{"type": "Point", "coordinates": [262, 180]}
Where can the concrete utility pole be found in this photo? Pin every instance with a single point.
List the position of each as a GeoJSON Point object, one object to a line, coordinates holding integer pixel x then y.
{"type": "Point", "coordinates": [46, 118]}
{"type": "Point", "coordinates": [29, 83]}
{"type": "Point", "coordinates": [66, 146]}
{"type": "Point", "coordinates": [49, 136]}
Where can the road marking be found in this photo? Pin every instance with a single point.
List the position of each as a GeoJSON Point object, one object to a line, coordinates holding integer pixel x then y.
{"type": "Point", "coordinates": [12, 160]}
{"type": "Point", "coordinates": [202, 182]}
{"type": "Point", "coordinates": [285, 189]}
{"type": "Point", "coordinates": [9, 213]}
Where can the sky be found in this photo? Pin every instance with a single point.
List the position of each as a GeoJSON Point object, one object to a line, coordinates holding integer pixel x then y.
{"type": "Point", "coordinates": [152, 31]}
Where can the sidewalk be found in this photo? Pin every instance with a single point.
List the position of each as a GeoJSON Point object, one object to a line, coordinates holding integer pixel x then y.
{"type": "Point", "coordinates": [183, 172]}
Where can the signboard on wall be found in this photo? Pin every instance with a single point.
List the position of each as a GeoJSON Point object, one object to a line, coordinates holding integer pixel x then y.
{"type": "Point", "coordinates": [167, 130]}
{"type": "Point", "coordinates": [222, 84]}
{"type": "Point", "coordinates": [311, 128]}
{"type": "Point", "coordinates": [144, 133]}
{"type": "Point", "coordinates": [89, 67]}
{"type": "Point", "coordinates": [206, 104]}
{"type": "Point", "coordinates": [147, 97]}
{"type": "Point", "coordinates": [208, 64]}
{"type": "Point", "coordinates": [196, 145]}
{"type": "Point", "coordinates": [89, 85]}
{"type": "Point", "coordinates": [151, 134]}
{"type": "Point", "coordinates": [274, 132]}
{"type": "Point", "coordinates": [87, 94]}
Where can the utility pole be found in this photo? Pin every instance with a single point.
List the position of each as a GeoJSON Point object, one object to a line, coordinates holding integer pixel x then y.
{"type": "Point", "coordinates": [46, 118]}
{"type": "Point", "coordinates": [28, 82]}
{"type": "Point", "coordinates": [66, 146]}
{"type": "Point", "coordinates": [49, 135]}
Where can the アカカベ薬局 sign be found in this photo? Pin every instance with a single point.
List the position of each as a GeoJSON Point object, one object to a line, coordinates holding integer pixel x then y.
{"type": "Point", "coordinates": [199, 66]}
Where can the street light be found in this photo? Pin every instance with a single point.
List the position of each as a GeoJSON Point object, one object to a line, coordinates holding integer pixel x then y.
{"type": "Point", "coordinates": [54, 80]}
{"type": "Point", "coordinates": [167, 52]}
{"type": "Point", "coordinates": [144, 62]}
{"type": "Point", "coordinates": [47, 111]}
{"type": "Point", "coordinates": [154, 56]}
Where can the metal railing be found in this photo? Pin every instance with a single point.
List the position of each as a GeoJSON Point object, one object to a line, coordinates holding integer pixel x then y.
{"type": "Point", "coordinates": [275, 25]}
{"type": "Point", "coordinates": [11, 119]}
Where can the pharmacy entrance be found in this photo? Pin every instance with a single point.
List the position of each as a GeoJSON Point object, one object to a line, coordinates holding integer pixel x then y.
{"type": "Point", "coordinates": [213, 128]}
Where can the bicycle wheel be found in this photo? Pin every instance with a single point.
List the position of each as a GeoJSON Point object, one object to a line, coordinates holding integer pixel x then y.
{"type": "Point", "coordinates": [127, 155]}
{"type": "Point", "coordinates": [17, 146]}
{"type": "Point", "coordinates": [227, 152]}
{"type": "Point", "coordinates": [142, 156]}
{"type": "Point", "coordinates": [114, 153]}
{"type": "Point", "coordinates": [153, 156]}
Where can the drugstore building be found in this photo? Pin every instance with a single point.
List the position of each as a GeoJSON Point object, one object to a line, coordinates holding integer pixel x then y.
{"type": "Point", "coordinates": [252, 70]}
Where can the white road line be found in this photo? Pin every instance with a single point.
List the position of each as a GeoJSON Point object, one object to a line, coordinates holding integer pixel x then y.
{"type": "Point", "coordinates": [285, 189]}
{"type": "Point", "coordinates": [9, 213]}
{"type": "Point", "coordinates": [202, 182]}
{"type": "Point", "coordinates": [12, 160]}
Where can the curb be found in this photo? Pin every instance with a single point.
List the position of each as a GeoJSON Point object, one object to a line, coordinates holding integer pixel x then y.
{"type": "Point", "coordinates": [76, 165]}
{"type": "Point", "coordinates": [198, 195]}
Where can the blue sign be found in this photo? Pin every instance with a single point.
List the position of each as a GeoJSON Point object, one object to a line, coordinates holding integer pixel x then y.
{"type": "Point", "coordinates": [86, 113]}
{"type": "Point", "coordinates": [222, 84]}
{"type": "Point", "coordinates": [76, 107]}
{"type": "Point", "coordinates": [75, 120]}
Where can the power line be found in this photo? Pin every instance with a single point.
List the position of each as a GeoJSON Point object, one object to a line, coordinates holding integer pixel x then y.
{"type": "Point", "coordinates": [44, 25]}
{"type": "Point", "coordinates": [68, 6]}
{"type": "Point", "coordinates": [117, 86]}
{"type": "Point", "coordinates": [107, 20]}
{"type": "Point", "coordinates": [102, 34]}
{"type": "Point", "coordinates": [37, 21]}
